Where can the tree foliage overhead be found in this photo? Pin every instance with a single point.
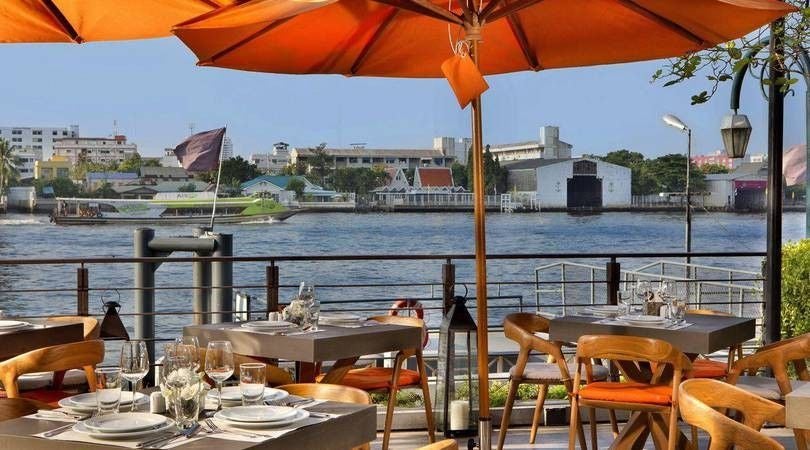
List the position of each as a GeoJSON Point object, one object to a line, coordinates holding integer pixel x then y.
{"type": "Point", "coordinates": [718, 64]}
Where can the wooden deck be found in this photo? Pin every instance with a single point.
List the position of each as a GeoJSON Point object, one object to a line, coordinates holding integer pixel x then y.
{"type": "Point", "coordinates": [552, 438]}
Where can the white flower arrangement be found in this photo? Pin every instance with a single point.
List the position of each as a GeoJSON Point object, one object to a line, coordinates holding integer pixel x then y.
{"type": "Point", "coordinates": [184, 382]}
{"type": "Point", "coordinates": [298, 312]}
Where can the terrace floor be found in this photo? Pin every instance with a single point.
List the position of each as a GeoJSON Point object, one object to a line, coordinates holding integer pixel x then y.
{"type": "Point", "coordinates": [553, 438]}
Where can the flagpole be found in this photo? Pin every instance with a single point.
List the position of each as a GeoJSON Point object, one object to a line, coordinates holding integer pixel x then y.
{"type": "Point", "coordinates": [216, 188]}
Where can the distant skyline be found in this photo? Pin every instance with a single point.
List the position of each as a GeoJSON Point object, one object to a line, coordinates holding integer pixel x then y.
{"type": "Point", "coordinates": [154, 91]}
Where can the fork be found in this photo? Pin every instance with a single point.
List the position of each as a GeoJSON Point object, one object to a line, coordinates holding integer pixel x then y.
{"type": "Point", "coordinates": [215, 429]}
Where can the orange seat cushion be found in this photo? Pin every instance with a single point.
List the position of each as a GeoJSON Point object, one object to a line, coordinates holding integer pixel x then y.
{"type": "Point", "coordinates": [48, 396]}
{"type": "Point", "coordinates": [377, 378]}
{"type": "Point", "coordinates": [707, 368]}
{"type": "Point", "coordinates": [627, 392]}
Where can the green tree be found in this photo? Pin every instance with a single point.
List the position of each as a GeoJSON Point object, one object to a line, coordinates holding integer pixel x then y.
{"type": "Point", "coordinates": [296, 185]}
{"type": "Point", "coordinates": [83, 167]}
{"type": "Point", "coordinates": [670, 173]}
{"type": "Point", "coordinates": [495, 176]}
{"type": "Point", "coordinates": [459, 174]}
{"type": "Point", "coordinates": [105, 191]}
{"type": "Point", "coordinates": [150, 163]}
{"type": "Point", "coordinates": [62, 187]}
{"type": "Point", "coordinates": [299, 168]}
{"type": "Point", "coordinates": [713, 168]}
{"type": "Point", "coordinates": [236, 168]}
{"type": "Point", "coordinates": [360, 180]}
{"type": "Point", "coordinates": [320, 164]}
{"type": "Point", "coordinates": [132, 164]}
{"type": "Point", "coordinates": [190, 187]}
{"type": "Point", "coordinates": [8, 166]}
{"type": "Point", "coordinates": [643, 182]}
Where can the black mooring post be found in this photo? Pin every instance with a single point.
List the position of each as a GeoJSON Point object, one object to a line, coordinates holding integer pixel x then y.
{"type": "Point", "coordinates": [222, 280]}
{"type": "Point", "coordinates": [201, 280]}
{"type": "Point", "coordinates": [613, 273]}
{"type": "Point", "coordinates": [272, 276]}
{"type": "Point", "coordinates": [448, 285]}
{"type": "Point", "coordinates": [145, 294]}
{"type": "Point", "coordinates": [82, 291]}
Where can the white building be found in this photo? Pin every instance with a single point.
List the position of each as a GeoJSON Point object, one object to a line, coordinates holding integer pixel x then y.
{"type": "Point", "coordinates": [37, 138]}
{"type": "Point", "coordinates": [227, 148]}
{"type": "Point", "coordinates": [549, 146]}
{"type": "Point", "coordinates": [458, 148]}
{"type": "Point", "coordinates": [371, 157]}
{"type": "Point", "coordinates": [742, 189]}
{"type": "Point", "coordinates": [26, 162]}
{"type": "Point", "coordinates": [169, 159]}
{"type": "Point", "coordinates": [571, 183]}
{"type": "Point", "coordinates": [103, 150]}
{"type": "Point", "coordinates": [274, 161]}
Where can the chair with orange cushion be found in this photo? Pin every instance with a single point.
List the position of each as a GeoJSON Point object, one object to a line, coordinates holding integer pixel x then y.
{"type": "Point", "coordinates": [523, 328]}
{"type": "Point", "coordinates": [84, 354]}
{"type": "Point", "coordinates": [649, 399]}
{"type": "Point", "coordinates": [703, 367]}
{"type": "Point", "coordinates": [391, 379]}
{"type": "Point", "coordinates": [700, 400]}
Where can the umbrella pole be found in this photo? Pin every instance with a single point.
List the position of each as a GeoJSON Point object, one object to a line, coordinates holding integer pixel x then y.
{"type": "Point", "coordinates": [484, 423]}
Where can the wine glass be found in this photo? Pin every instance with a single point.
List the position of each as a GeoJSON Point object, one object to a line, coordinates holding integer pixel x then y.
{"type": "Point", "coordinates": [219, 365]}
{"type": "Point", "coordinates": [192, 344]}
{"type": "Point", "coordinates": [134, 365]}
{"type": "Point", "coordinates": [644, 294]}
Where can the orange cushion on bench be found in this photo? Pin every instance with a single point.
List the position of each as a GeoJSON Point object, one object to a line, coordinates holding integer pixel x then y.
{"type": "Point", "coordinates": [627, 392]}
{"type": "Point", "coordinates": [376, 378]}
{"type": "Point", "coordinates": [708, 368]}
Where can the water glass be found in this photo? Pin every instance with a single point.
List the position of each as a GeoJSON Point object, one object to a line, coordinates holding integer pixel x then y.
{"type": "Point", "coordinates": [108, 390]}
{"type": "Point", "coordinates": [187, 402]}
{"type": "Point", "coordinates": [678, 309]}
{"type": "Point", "coordinates": [192, 344]}
{"type": "Point", "coordinates": [219, 364]}
{"type": "Point", "coordinates": [134, 365]}
{"type": "Point", "coordinates": [625, 302]}
{"type": "Point", "coordinates": [252, 379]}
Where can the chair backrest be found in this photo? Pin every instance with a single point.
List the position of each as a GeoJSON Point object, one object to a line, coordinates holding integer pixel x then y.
{"type": "Point", "coordinates": [777, 356]}
{"type": "Point", "coordinates": [408, 321]}
{"type": "Point", "coordinates": [85, 354]}
{"type": "Point", "coordinates": [325, 391]}
{"type": "Point", "coordinates": [699, 399]}
{"type": "Point", "coordinates": [275, 375]}
{"type": "Point", "coordinates": [521, 328]}
{"type": "Point", "coordinates": [631, 348]}
{"type": "Point", "coordinates": [92, 329]}
{"type": "Point", "coordinates": [447, 444]}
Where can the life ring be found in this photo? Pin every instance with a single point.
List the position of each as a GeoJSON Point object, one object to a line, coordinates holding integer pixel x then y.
{"type": "Point", "coordinates": [410, 305]}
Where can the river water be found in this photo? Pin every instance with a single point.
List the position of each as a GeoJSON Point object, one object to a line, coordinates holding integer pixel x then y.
{"type": "Point", "coordinates": [27, 236]}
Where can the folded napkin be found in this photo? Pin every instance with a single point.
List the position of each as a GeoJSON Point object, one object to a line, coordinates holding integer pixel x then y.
{"type": "Point", "coordinates": [264, 434]}
{"type": "Point", "coordinates": [658, 326]}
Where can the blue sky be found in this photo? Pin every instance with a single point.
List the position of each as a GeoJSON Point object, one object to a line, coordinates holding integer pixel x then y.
{"type": "Point", "coordinates": [154, 90]}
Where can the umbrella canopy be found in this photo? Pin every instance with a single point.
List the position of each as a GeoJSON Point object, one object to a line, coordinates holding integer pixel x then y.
{"type": "Point", "coordinates": [409, 38]}
{"type": "Point", "coordinates": [95, 20]}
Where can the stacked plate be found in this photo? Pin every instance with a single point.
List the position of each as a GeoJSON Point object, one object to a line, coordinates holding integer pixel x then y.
{"type": "Point", "coordinates": [86, 403]}
{"type": "Point", "coordinates": [12, 325]}
{"type": "Point", "coordinates": [341, 319]}
{"type": "Point", "coordinates": [232, 395]}
{"type": "Point", "coordinates": [261, 416]}
{"type": "Point", "coordinates": [644, 320]}
{"type": "Point", "coordinates": [275, 326]}
{"type": "Point", "coordinates": [124, 425]}
{"type": "Point", "coordinates": [603, 310]}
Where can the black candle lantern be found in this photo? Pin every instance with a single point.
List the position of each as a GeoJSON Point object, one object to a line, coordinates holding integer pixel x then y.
{"type": "Point", "coordinates": [456, 405]}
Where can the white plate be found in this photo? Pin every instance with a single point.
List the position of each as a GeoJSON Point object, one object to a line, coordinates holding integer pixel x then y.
{"type": "Point", "coordinates": [644, 320]}
{"type": "Point", "coordinates": [258, 413]}
{"type": "Point", "coordinates": [80, 427]}
{"type": "Point", "coordinates": [602, 310]}
{"type": "Point", "coordinates": [340, 318]}
{"type": "Point", "coordinates": [4, 324]}
{"type": "Point", "coordinates": [232, 394]}
{"type": "Point", "coordinates": [88, 400]}
{"type": "Point", "coordinates": [300, 414]}
{"type": "Point", "coordinates": [274, 324]}
{"type": "Point", "coordinates": [124, 422]}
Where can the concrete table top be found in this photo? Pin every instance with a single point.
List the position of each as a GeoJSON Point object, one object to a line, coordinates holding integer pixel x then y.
{"type": "Point", "coordinates": [21, 341]}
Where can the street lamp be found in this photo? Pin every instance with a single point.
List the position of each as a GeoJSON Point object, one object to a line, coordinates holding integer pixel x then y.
{"type": "Point", "coordinates": [676, 123]}
{"type": "Point", "coordinates": [735, 130]}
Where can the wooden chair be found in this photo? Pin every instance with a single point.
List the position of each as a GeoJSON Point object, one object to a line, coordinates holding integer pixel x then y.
{"type": "Point", "coordinates": [333, 392]}
{"type": "Point", "coordinates": [651, 399]}
{"type": "Point", "coordinates": [72, 377]}
{"type": "Point", "coordinates": [50, 359]}
{"type": "Point", "coordinates": [276, 376]}
{"type": "Point", "coordinates": [699, 400]}
{"type": "Point", "coordinates": [523, 329]}
{"type": "Point", "coordinates": [446, 444]}
{"type": "Point", "coordinates": [777, 357]}
{"type": "Point", "coordinates": [391, 379]}
{"type": "Point", "coordinates": [704, 367]}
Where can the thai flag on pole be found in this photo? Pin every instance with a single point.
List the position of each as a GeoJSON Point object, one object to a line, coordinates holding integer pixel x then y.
{"type": "Point", "coordinates": [201, 151]}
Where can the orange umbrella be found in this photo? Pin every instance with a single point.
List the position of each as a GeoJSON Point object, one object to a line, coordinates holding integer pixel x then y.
{"type": "Point", "coordinates": [95, 20]}
{"type": "Point", "coordinates": [412, 38]}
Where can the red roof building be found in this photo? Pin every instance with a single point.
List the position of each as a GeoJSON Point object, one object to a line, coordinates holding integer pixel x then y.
{"type": "Point", "coordinates": [433, 177]}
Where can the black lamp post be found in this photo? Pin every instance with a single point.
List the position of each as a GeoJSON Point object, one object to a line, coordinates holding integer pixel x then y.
{"type": "Point", "coordinates": [456, 405]}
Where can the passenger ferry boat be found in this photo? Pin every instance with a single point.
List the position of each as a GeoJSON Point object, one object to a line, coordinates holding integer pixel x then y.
{"type": "Point", "coordinates": [164, 211]}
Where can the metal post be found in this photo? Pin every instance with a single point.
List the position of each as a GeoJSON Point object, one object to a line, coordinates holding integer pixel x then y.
{"type": "Point", "coordinates": [773, 262]}
{"type": "Point", "coordinates": [145, 293]}
{"type": "Point", "coordinates": [201, 280]}
{"type": "Point", "coordinates": [82, 292]}
{"type": "Point", "coordinates": [222, 280]}
{"type": "Point", "coordinates": [613, 273]}
{"type": "Point", "coordinates": [448, 284]}
{"type": "Point", "coordinates": [688, 200]}
{"type": "Point", "coordinates": [272, 275]}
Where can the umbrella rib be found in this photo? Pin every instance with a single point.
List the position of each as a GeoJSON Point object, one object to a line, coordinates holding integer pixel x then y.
{"type": "Point", "coordinates": [63, 22]}
{"type": "Point", "coordinates": [361, 58]}
{"type": "Point", "coordinates": [661, 20]}
{"type": "Point", "coordinates": [229, 49]}
{"type": "Point", "coordinates": [424, 8]}
{"type": "Point", "coordinates": [511, 8]}
{"type": "Point", "coordinates": [523, 41]}
{"type": "Point", "coordinates": [489, 8]}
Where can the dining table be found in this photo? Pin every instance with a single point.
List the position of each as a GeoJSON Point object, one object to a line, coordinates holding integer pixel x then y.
{"type": "Point", "coordinates": [699, 335]}
{"type": "Point", "coordinates": [341, 344]}
{"type": "Point", "coordinates": [351, 426]}
{"type": "Point", "coordinates": [40, 334]}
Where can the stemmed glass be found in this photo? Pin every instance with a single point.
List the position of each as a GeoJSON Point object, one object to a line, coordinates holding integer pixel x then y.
{"type": "Point", "coordinates": [134, 365]}
{"type": "Point", "coordinates": [644, 294]}
{"type": "Point", "coordinates": [192, 344]}
{"type": "Point", "coordinates": [219, 365]}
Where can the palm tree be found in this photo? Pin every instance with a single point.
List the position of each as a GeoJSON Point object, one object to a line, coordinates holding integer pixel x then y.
{"type": "Point", "coordinates": [8, 165]}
